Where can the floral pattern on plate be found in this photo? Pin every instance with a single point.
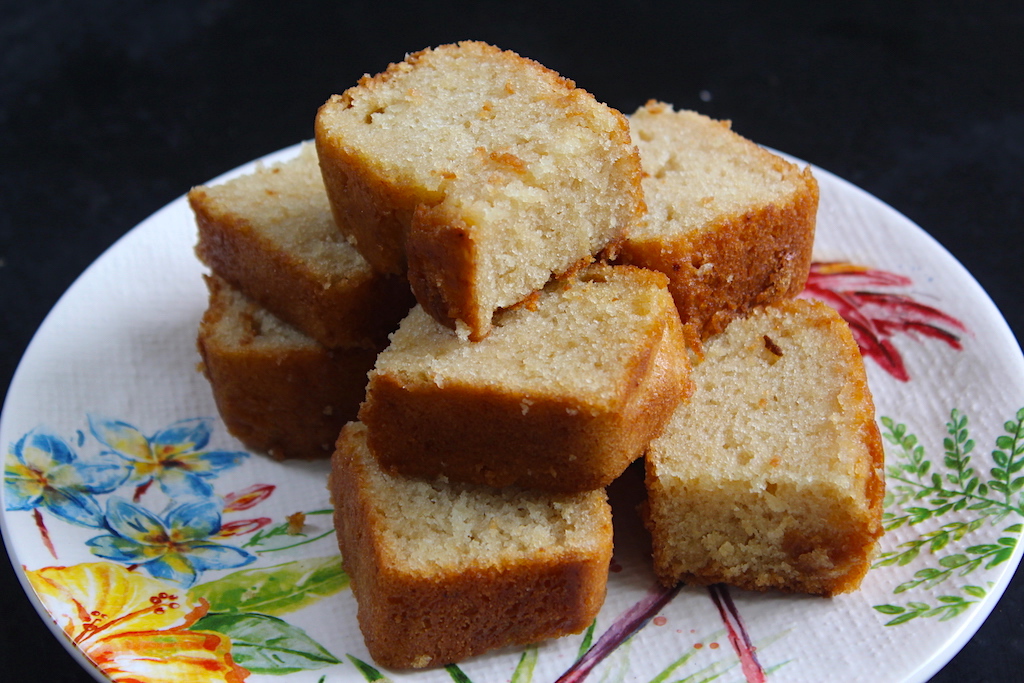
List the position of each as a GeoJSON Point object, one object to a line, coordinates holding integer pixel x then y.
{"type": "Point", "coordinates": [161, 551]}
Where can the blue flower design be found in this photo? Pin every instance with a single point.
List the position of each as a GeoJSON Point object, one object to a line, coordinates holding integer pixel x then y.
{"type": "Point", "coordinates": [173, 457]}
{"type": "Point", "coordinates": [42, 471]}
{"type": "Point", "coordinates": [175, 546]}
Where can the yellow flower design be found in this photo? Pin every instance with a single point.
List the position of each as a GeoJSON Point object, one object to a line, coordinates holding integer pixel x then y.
{"type": "Point", "coordinates": [133, 627]}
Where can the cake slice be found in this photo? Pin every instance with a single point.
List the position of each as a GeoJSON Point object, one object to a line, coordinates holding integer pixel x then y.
{"type": "Point", "coordinates": [444, 571]}
{"type": "Point", "coordinates": [770, 476]}
{"type": "Point", "coordinates": [271, 235]}
{"type": "Point", "coordinates": [277, 390]}
{"type": "Point", "coordinates": [481, 171]}
{"type": "Point", "coordinates": [562, 396]}
{"type": "Point", "coordinates": [730, 223]}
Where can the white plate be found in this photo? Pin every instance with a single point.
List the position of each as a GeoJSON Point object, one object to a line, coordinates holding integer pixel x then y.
{"type": "Point", "coordinates": [114, 365]}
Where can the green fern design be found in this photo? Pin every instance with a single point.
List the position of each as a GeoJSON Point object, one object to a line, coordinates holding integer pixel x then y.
{"type": "Point", "coordinates": [948, 607]}
{"type": "Point", "coordinates": [923, 492]}
{"type": "Point", "coordinates": [369, 672]}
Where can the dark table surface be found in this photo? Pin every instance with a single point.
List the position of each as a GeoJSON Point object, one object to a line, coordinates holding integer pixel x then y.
{"type": "Point", "coordinates": [109, 110]}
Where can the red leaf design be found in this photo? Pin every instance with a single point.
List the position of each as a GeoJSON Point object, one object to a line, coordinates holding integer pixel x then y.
{"type": "Point", "coordinates": [848, 276]}
{"type": "Point", "coordinates": [876, 317]}
{"type": "Point", "coordinates": [43, 531]}
{"type": "Point", "coordinates": [247, 498]}
{"type": "Point", "coordinates": [899, 312]}
{"type": "Point", "coordinates": [242, 526]}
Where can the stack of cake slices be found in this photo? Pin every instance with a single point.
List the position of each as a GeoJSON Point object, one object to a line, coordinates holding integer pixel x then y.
{"type": "Point", "coordinates": [485, 294]}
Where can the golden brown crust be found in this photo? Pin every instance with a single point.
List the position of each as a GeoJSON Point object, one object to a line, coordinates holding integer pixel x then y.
{"type": "Point", "coordinates": [740, 260]}
{"type": "Point", "coordinates": [371, 211]}
{"type": "Point", "coordinates": [761, 256]}
{"type": "Point", "coordinates": [288, 403]}
{"type": "Point", "coordinates": [358, 311]}
{"type": "Point", "coordinates": [484, 435]}
{"type": "Point", "coordinates": [857, 554]}
{"type": "Point", "coordinates": [412, 620]}
{"type": "Point", "coordinates": [823, 556]}
{"type": "Point", "coordinates": [443, 261]}
{"type": "Point", "coordinates": [399, 228]}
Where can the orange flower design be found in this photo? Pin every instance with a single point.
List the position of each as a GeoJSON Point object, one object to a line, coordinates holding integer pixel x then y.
{"type": "Point", "coordinates": [134, 628]}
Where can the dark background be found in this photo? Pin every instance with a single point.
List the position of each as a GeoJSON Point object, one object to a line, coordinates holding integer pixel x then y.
{"type": "Point", "coordinates": [109, 110]}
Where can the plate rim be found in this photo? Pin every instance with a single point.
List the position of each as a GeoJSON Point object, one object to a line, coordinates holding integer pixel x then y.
{"type": "Point", "coordinates": [923, 670]}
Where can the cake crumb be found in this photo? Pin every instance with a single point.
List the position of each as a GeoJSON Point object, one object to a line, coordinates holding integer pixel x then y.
{"type": "Point", "coordinates": [772, 346]}
{"type": "Point", "coordinates": [296, 523]}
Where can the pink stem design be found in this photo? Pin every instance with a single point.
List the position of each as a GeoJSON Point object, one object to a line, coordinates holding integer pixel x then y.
{"type": "Point", "coordinates": [43, 531]}
{"type": "Point", "coordinates": [628, 623]}
{"type": "Point", "coordinates": [140, 490]}
{"type": "Point", "coordinates": [738, 635]}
